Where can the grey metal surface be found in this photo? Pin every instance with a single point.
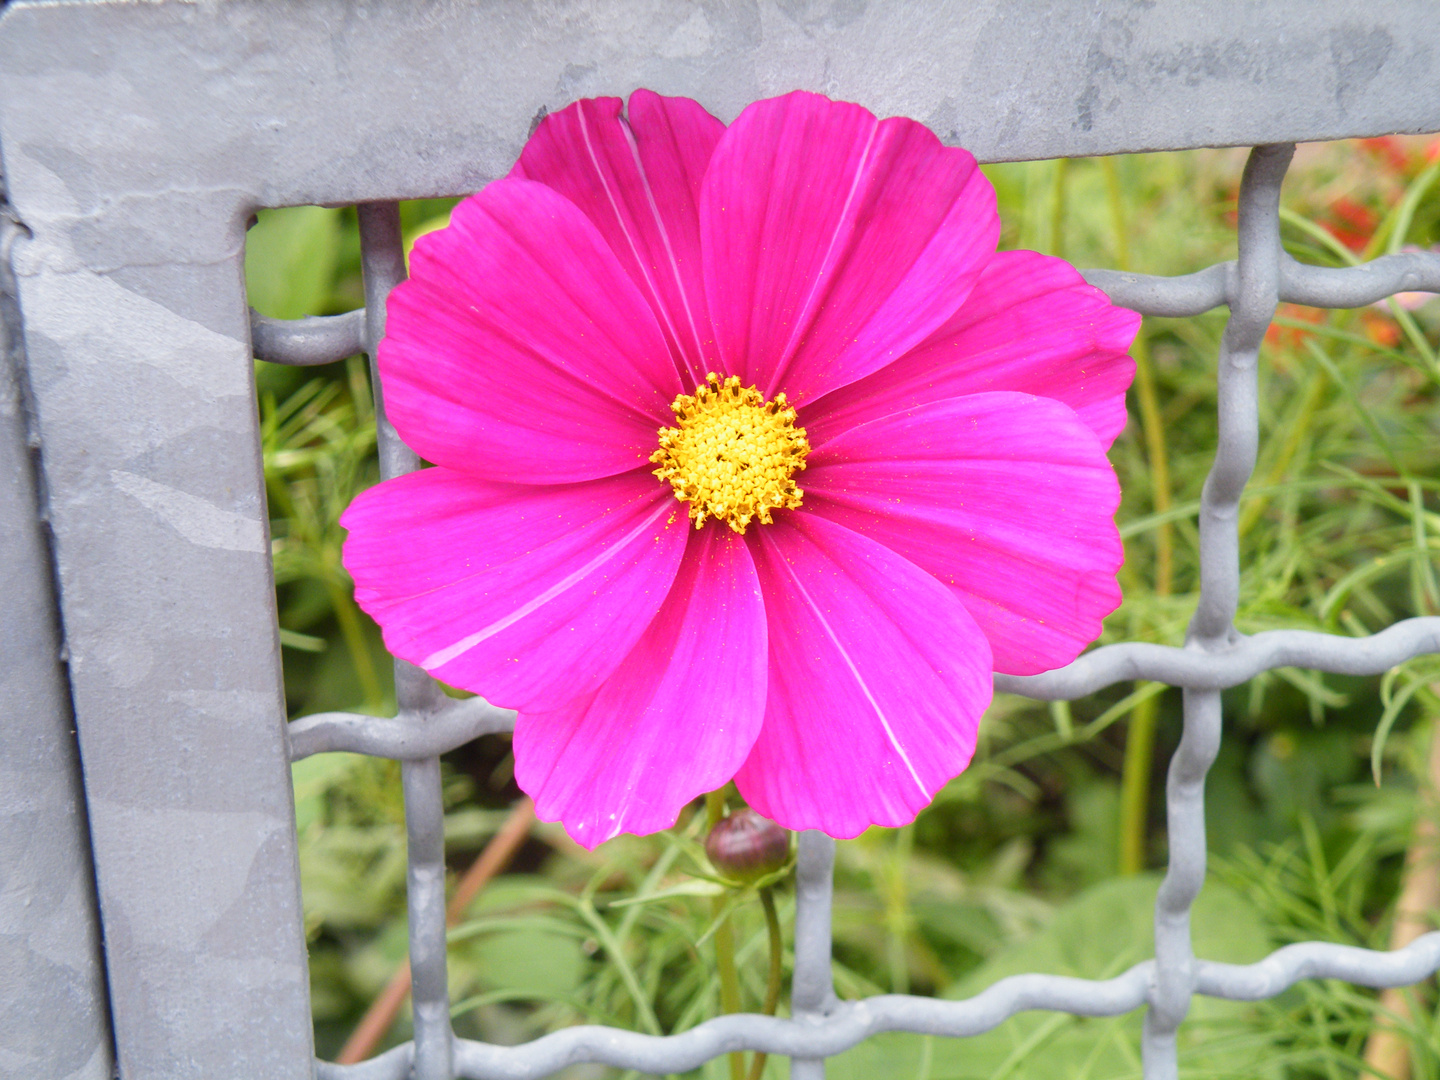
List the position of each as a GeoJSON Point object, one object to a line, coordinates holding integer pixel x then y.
{"type": "Point", "coordinates": [137, 339]}
{"type": "Point", "coordinates": [280, 102]}
{"type": "Point", "coordinates": [435, 726]}
{"type": "Point", "coordinates": [145, 398]}
{"type": "Point", "coordinates": [852, 1021]}
{"type": "Point", "coordinates": [812, 986]}
{"type": "Point", "coordinates": [53, 1017]}
{"type": "Point", "coordinates": [316, 340]}
{"type": "Point", "coordinates": [140, 137]}
{"type": "Point", "coordinates": [1236, 660]}
{"type": "Point", "coordinates": [1317, 286]}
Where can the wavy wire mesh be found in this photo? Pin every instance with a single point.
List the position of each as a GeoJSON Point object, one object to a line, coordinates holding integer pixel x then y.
{"type": "Point", "coordinates": [1214, 657]}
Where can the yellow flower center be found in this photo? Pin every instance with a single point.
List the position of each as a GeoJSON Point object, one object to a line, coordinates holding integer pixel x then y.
{"type": "Point", "coordinates": [731, 454]}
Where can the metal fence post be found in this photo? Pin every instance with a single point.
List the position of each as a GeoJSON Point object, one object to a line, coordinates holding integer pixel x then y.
{"type": "Point", "coordinates": [54, 1016]}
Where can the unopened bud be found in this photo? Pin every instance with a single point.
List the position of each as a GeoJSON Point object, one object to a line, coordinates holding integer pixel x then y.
{"type": "Point", "coordinates": [745, 846]}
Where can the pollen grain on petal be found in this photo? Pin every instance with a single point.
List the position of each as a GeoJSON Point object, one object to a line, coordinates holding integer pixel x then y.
{"type": "Point", "coordinates": [732, 455]}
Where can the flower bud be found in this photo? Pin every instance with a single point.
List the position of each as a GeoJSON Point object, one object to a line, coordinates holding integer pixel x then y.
{"type": "Point", "coordinates": [745, 846]}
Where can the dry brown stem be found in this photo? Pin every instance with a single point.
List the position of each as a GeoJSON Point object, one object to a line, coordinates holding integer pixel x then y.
{"type": "Point", "coordinates": [493, 858]}
{"type": "Point", "coordinates": [1387, 1050]}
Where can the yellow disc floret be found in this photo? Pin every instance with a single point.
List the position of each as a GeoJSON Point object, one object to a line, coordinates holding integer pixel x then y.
{"type": "Point", "coordinates": [731, 454]}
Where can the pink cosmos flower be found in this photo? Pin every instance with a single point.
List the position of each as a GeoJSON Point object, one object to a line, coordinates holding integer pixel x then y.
{"type": "Point", "coordinates": [753, 459]}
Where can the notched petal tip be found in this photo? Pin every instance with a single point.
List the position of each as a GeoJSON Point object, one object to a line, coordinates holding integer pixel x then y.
{"type": "Point", "coordinates": [1031, 325]}
{"type": "Point", "coordinates": [636, 175]}
{"type": "Point", "coordinates": [884, 232]}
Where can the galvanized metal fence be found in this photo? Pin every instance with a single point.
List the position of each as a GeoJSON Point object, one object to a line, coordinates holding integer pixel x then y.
{"type": "Point", "coordinates": [133, 156]}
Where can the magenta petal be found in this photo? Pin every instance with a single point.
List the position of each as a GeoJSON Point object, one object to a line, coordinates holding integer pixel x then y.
{"type": "Point", "coordinates": [1007, 498]}
{"type": "Point", "coordinates": [1031, 324]}
{"type": "Point", "coordinates": [520, 350]}
{"type": "Point", "coordinates": [835, 242]}
{"type": "Point", "coordinates": [676, 718]}
{"type": "Point", "coordinates": [878, 677]}
{"type": "Point", "coordinates": [638, 179]}
{"type": "Point", "coordinates": [528, 595]}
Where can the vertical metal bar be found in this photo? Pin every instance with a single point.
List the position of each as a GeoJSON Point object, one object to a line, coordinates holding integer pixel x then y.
{"type": "Point", "coordinates": [1251, 309]}
{"type": "Point", "coordinates": [144, 393]}
{"type": "Point", "coordinates": [54, 1015]}
{"type": "Point", "coordinates": [430, 996]}
{"type": "Point", "coordinates": [1185, 813]}
{"type": "Point", "coordinates": [812, 987]}
{"type": "Point", "coordinates": [383, 261]}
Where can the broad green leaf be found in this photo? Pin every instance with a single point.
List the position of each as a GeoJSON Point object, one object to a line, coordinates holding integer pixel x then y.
{"type": "Point", "coordinates": [529, 959]}
{"type": "Point", "coordinates": [1101, 933]}
{"type": "Point", "coordinates": [290, 259]}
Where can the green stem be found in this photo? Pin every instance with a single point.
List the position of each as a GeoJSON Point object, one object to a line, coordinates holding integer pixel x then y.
{"type": "Point", "coordinates": [1058, 207]}
{"type": "Point", "coordinates": [714, 808]}
{"type": "Point", "coordinates": [725, 940]}
{"type": "Point", "coordinates": [348, 616]}
{"type": "Point", "coordinates": [1140, 736]}
{"type": "Point", "coordinates": [622, 965]}
{"type": "Point", "coordinates": [1135, 784]}
{"type": "Point", "coordinates": [897, 910]}
{"type": "Point", "coordinates": [1151, 421]}
{"type": "Point", "coordinates": [772, 981]}
{"type": "Point", "coordinates": [1153, 425]}
{"type": "Point", "coordinates": [1308, 408]}
{"type": "Point", "coordinates": [1116, 195]}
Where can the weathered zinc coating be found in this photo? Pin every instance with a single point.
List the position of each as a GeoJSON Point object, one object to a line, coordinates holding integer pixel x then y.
{"type": "Point", "coordinates": [53, 1020]}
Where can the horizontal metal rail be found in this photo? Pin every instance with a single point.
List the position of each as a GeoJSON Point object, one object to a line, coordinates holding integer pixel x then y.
{"type": "Point", "coordinates": [323, 339]}
{"type": "Point", "coordinates": [1300, 283]}
{"type": "Point", "coordinates": [454, 723]}
{"type": "Point", "coordinates": [1234, 663]}
{"type": "Point", "coordinates": [849, 1023]}
{"type": "Point", "coordinates": [406, 737]}
{"type": "Point", "coordinates": [307, 342]}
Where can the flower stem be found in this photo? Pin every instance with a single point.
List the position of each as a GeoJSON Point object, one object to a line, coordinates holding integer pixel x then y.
{"type": "Point", "coordinates": [897, 909]}
{"type": "Point", "coordinates": [348, 616]}
{"type": "Point", "coordinates": [772, 981]}
{"type": "Point", "coordinates": [725, 940]}
{"type": "Point", "coordinates": [1154, 428]}
{"type": "Point", "coordinates": [1140, 736]}
{"type": "Point", "coordinates": [1297, 432]}
{"type": "Point", "coordinates": [1135, 784]}
{"type": "Point", "coordinates": [1059, 207]}
{"type": "Point", "coordinates": [1151, 422]}
{"type": "Point", "coordinates": [1387, 1049]}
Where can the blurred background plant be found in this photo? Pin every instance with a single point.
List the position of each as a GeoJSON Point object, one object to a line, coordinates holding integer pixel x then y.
{"type": "Point", "coordinates": [1044, 855]}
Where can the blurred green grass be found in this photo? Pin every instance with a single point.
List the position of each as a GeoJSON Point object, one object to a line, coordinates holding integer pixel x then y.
{"type": "Point", "coordinates": [1030, 860]}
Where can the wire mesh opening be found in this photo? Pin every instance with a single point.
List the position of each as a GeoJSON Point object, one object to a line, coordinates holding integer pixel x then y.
{"type": "Point", "coordinates": [1215, 657]}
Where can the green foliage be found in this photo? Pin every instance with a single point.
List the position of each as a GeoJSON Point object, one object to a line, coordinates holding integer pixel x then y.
{"type": "Point", "coordinates": [290, 260]}
{"type": "Point", "coordinates": [319, 453]}
{"type": "Point", "coordinates": [1097, 935]}
{"type": "Point", "coordinates": [1017, 866]}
